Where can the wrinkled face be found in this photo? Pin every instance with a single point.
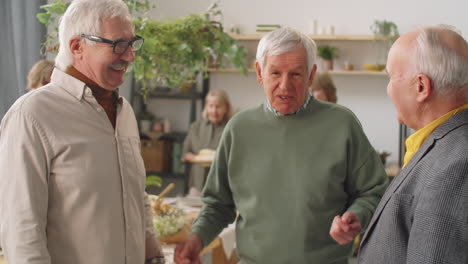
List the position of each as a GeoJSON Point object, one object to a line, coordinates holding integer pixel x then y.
{"type": "Point", "coordinates": [285, 80]}
{"type": "Point", "coordinates": [215, 109]}
{"type": "Point", "coordinates": [99, 63]}
{"type": "Point", "coordinates": [401, 86]}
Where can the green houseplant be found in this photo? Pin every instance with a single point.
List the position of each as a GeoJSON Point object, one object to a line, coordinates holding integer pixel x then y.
{"type": "Point", "coordinates": [385, 33]}
{"type": "Point", "coordinates": [327, 53]}
{"type": "Point", "coordinates": [175, 52]}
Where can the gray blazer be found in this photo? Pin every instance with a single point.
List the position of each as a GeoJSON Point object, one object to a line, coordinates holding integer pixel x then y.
{"type": "Point", "coordinates": [423, 215]}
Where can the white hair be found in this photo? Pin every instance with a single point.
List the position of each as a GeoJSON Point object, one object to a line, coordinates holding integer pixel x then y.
{"type": "Point", "coordinates": [85, 17]}
{"type": "Point", "coordinates": [284, 40]}
{"type": "Point", "coordinates": [445, 66]}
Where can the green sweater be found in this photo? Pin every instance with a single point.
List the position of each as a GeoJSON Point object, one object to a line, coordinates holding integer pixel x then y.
{"type": "Point", "coordinates": [288, 177]}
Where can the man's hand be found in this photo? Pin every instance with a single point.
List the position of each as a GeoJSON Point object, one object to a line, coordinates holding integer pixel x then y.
{"type": "Point", "coordinates": [189, 157]}
{"type": "Point", "coordinates": [345, 228]}
{"type": "Point", "coordinates": [187, 252]}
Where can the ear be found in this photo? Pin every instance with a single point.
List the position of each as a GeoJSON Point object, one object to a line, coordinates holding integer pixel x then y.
{"type": "Point", "coordinates": [312, 75]}
{"type": "Point", "coordinates": [259, 72]}
{"type": "Point", "coordinates": [424, 88]}
{"type": "Point", "coordinates": [76, 47]}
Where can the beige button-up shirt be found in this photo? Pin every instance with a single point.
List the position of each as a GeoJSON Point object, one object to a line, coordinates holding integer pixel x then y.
{"type": "Point", "coordinates": [72, 188]}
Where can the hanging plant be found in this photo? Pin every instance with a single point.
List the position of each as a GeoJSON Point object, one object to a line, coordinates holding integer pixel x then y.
{"type": "Point", "coordinates": [174, 51]}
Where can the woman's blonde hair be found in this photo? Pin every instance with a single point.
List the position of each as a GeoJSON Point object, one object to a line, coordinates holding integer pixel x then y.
{"type": "Point", "coordinates": [323, 81]}
{"type": "Point", "coordinates": [221, 96]}
{"type": "Point", "coordinates": [40, 73]}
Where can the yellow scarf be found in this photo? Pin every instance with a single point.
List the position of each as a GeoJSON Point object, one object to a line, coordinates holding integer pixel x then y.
{"type": "Point", "coordinates": [414, 142]}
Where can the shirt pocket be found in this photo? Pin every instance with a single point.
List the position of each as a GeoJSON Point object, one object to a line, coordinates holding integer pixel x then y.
{"type": "Point", "coordinates": [136, 151]}
{"type": "Point", "coordinates": [138, 164]}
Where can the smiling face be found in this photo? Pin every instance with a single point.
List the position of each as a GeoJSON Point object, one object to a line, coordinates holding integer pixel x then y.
{"type": "Point", "coordinates": [285, 80]}
{"type": "Point", "coordinates": [98, 62]}
{"type": "Point", "coordinates": [215, 109]}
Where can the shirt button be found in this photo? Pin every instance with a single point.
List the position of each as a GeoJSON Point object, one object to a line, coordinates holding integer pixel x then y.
{"type": "Point", "coordinates": [88, 92]}
{"type": "Point", "coordinates": [98, 109]}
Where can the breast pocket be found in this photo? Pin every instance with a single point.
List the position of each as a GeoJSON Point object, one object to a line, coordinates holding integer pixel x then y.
{"type": "Point", "coordinates": [138, 160]}
{"type": "Point", "coordinates": [132, 162]}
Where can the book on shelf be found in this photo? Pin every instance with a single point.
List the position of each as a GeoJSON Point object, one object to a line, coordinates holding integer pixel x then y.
{"type": "Point", "coordinates": [264, 28]}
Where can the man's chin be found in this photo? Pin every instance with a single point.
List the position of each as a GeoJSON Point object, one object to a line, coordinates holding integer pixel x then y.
{"type": "Point", "coordinates": [113, 86]}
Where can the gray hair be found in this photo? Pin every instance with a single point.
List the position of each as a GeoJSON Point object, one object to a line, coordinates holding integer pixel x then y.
{"type": "Point", "coordinates": [85, 17]}
{"type": "Point", "coordinates": [283, 40]}
{"type": "Point", "coordinates": [221, 96]}
{"type": "Point", "coordinates": [444, 63]}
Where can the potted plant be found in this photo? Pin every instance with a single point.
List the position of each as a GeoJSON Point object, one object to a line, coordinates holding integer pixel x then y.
{"type": "Point", "coordinates": [327, 53]}
{"type": "Point", "coordinates": [176, 51]}
{"type": "Point", "coordinates": [385, 29]}
{"type": "Point", "coordinates": [385, 33]}
{"type": "Point", "coordinates": [145, 120]}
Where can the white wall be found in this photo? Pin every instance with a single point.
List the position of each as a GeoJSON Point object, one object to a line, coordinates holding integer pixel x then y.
{"type": "Point", "coordinates": [348, 17]}
{"type": "Point", "coordinates": [364, 95]}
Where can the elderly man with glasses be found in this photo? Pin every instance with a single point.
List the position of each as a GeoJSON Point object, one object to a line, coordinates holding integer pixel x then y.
{"type": "Point", "coordinates": [72, 178]}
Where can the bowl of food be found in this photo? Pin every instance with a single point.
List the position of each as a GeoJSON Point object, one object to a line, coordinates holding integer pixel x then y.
{"type": "Point", "coordinates": [171, 224]}
{"type": "Point", "coordinates": [373, 67]}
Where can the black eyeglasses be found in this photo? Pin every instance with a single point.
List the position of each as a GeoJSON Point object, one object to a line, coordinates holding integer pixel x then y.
{"type": "Point", "coordinates": [120, 46]}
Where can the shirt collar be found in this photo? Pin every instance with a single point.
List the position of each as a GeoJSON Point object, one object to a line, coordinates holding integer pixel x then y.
{"type": "Point", "coordinates": [97, 91]}
{"type": "Point", "coordinates": [304, 105]}
{"type": "Point", "coordinates": [415, 141]}
{"type": "Point", "coordinates": [76, 87]}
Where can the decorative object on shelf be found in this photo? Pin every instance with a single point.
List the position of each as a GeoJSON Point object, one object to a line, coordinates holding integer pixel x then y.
{"type": "Point", "coordinates": [235, 29]}
{"type": "Point", "coordinates": [385, 29]}
{"type": "Point", "coordinates": [348, 66]}
{"type": "Point", "coordinates": [385, 33]}
{"type": "Point", "coordinates": [266, 28]}
{"type": "Point", "coordinates": [328, 30]}
{"type": "Point", "coordinates": [145, 120]}
{"type": "Point", "coordinates": [327, 53]}
{"type": "Point", "coordinates": [373, 67]}
{"type": "Point", "coordinates": [315, 27]}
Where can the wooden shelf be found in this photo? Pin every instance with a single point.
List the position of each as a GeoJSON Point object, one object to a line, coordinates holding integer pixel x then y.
{"type": "Point", "coordinates": [256, 37]}
{"type": "Point", "coordinates": [331, 72]}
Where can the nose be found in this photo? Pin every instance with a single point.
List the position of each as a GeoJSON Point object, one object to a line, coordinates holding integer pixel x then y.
{"type": "Point", "coordinates": [284, 82]}
{"type": "Point", "coordinates": [128, 55]}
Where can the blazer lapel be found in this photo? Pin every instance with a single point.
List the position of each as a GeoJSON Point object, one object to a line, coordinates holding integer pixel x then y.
{"type": "Point", "coordinates": [397, 181]}
{"type": "Point", "coordinates": [454, 122]}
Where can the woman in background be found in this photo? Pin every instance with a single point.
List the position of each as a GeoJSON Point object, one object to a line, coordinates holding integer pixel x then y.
{"type": "Point", "coordinates": [40, 73]}
{"type": "Point", "coordinates": [323, 88]}
{"type": "Point", "coordinates": [205, 134]}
